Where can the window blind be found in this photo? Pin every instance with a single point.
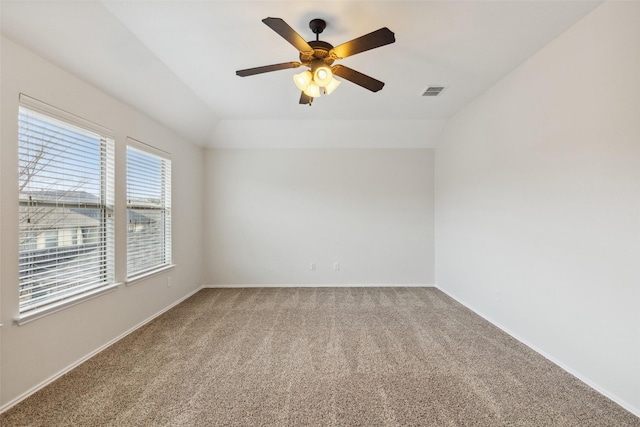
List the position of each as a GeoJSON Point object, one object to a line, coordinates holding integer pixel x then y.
{"type": "Point", "coordinates": [148, 210]}
{"type": "Point", "coordinates": [66, 229]}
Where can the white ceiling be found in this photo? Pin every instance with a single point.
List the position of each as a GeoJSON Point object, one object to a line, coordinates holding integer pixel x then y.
{"type": "Point", "coordinates": [176, 60]}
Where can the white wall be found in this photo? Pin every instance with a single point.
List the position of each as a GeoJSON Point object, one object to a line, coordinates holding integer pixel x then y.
{"type": "Point", "coordinates": [318, 133]}
{"type": "Point", "coordinates": [33, 353]}
{"type": "Point", "coordinates": [538, 202]}
{"type": "Point", "coordinates": [270, 213]}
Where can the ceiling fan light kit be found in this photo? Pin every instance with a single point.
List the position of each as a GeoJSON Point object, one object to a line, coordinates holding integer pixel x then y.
{"type": "Point", "coordinates": [313, 90]}
{"type": "Point", "coordinates": [333, 84]}
{"type": "Point", "coordinates": [319, 57]}
{"type": "Point", "coordinates": [303, 79]}
{"type": "Point", "coordinates": [322, 74]}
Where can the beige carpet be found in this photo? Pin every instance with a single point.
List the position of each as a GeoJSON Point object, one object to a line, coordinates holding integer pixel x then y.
{"type": "Point", "coordinates": [318, 356]}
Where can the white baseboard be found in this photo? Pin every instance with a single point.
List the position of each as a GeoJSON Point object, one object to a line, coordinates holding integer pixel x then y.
{"type": "Point", "coordinates": [635, 411]}
{"type": "Point", "coordinates": [54, 377]}
{"type": "Point", "coordinates": [320, 285]}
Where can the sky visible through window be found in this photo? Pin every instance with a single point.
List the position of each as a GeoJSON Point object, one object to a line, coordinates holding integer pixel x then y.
{"type": "Point", "coordinates": [144, 173]}
{"type": "Point", "coordinates": [58, 161]}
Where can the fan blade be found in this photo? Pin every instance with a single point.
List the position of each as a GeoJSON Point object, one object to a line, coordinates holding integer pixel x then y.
{"type": "Point", "coordinates": [381, 37]}
{"type": "Point", "coordinates": [267, 69]}
{"type": "Point", "coordinates": [305, 99]}
{"type": "Point", "coordinates": [286, 32]}
{"type": "Point", "coordinates": [358, 78]}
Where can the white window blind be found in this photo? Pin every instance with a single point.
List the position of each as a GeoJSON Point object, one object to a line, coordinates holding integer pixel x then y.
{"type": "Point", "coordinates": [148, 210]}
{"type": "Point", "coordinates": [66, 189]}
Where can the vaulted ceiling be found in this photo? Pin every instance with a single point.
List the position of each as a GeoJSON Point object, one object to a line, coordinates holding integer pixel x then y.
{"type": "Point", "coordinates": [176, 60]}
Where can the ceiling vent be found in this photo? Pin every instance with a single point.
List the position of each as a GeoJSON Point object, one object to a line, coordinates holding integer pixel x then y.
{"type": "Point", "coordinates": [433, 90]}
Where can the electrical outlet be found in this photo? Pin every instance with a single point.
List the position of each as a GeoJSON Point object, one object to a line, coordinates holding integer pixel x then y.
{"type": "Point", "coordinates": [169, 282]}
{"type": "Point", "coordinates": [312, 266]}
{"type": "Point", "coordinates": [336, 266]}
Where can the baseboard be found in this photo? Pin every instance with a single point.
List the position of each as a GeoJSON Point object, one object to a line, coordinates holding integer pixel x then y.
{"type": "Point", "coordinates": [54, 377]}
{"type": "Point", "coordinates": [319, 285]}
{"type": "Point", "coordinates": [635, 411]}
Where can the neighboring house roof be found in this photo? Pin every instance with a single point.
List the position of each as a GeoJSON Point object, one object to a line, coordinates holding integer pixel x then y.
{"type": "Point", "coordinates": [55, 218]}
{"type": "Point", "coordinates": [68, 214]}
{"type": "Point", "coordinates": [138, 218]}
{"type": "Point", "coordinates": [60, 196]}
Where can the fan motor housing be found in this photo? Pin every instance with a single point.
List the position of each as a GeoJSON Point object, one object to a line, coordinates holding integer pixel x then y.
{"type": "Point", "coordinates": [320, 51]}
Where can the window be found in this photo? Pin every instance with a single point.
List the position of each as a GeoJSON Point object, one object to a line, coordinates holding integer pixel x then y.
{"type": "Point", "coordinates": [66, 208]}
{"type": "Point", "coordinates": [148, 209]}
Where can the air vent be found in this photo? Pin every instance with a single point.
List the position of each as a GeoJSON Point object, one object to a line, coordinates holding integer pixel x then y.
{"type": "Point", "coordinates": [433, 90]}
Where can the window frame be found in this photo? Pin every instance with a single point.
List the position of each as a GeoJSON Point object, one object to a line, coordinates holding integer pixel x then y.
{"type": "Point", "coordinates": [106, 204]}
{"type": "Point", "coordinates": [165, 209]}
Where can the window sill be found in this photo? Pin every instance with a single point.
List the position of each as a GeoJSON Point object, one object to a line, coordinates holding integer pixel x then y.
{"type": "Point", "coordinates": [62, 305]}
{"type": "Point", "coordinates": [134, 279]}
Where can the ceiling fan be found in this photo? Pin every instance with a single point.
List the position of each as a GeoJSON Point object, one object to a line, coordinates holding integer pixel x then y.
{"type": "Point", "coordinates": [319, 57]}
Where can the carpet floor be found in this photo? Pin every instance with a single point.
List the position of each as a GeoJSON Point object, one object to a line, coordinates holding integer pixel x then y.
{"type": "Point", "coordinates": [318, 356]}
